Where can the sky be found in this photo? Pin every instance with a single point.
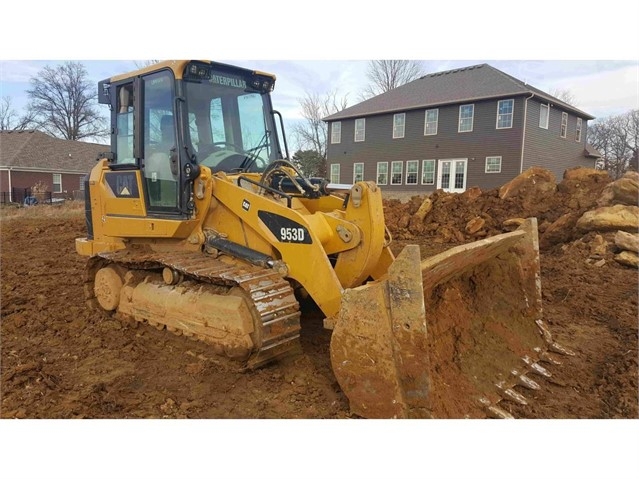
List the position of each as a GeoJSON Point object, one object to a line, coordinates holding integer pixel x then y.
{"type": "Point", "coordinates": [600, 87]}
{"type": "Point", "coordinates": [590, 49]}
{"type": "Point", "coordinates": [600, 71]}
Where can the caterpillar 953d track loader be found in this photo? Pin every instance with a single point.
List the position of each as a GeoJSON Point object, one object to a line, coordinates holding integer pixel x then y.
{"type": "Point", "coordinates": [198, 223]}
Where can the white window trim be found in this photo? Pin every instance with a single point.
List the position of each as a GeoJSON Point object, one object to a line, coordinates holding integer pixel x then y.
{"type": "Point", "coordinates": [363, 120]}
{"type": "Point", "coordinates": [377, 176]}
{"type": "Point", "coordinates": [426, 122]}
{"type": "Point", "coordinates": [451, 180]}
{"type": "Point", "coordinates": [563, 133]}
{"type": "Point", "coordinates": [424, 169]}
{"type": "Point", "coordinates": [59, 185]}
{"type": "Point", "coordinates": [336, 138]}
{"type": "Point", "coordinates": [338, 172]}
{"type": "Point", "coordinates": [542, 105]}
{"type": "Point", "coordinates": [578, 130]}
{"type": "Point", "coordinates": [355, 165]}
{"type": "Point", "coordinates": [396, 117]}
{"type": "Point", "coordinates": [416, 162]}
{"type": "Point", "coordinates": [472, 119]}
{"type": "Point", "coordinates": [512, 115]}
{"type": "Point", "coordinates": [486, 165]}
{"type": "Point", "coordinates": [401, 181]}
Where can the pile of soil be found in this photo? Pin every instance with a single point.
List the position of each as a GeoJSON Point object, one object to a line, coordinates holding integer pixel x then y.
{"type": "Point", "coordinates": [61, 360]}
{"type": "Point", "coordinates": [459, 218]}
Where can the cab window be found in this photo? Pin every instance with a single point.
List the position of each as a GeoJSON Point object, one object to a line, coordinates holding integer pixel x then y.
{"type": "Point", "coordinates": [124, 119]}
{"type": "Point", "coordinates": [161, 164]}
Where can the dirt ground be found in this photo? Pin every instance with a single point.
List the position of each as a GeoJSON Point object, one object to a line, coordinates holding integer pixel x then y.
{"type": "Point", "coordinates": [61, 360]}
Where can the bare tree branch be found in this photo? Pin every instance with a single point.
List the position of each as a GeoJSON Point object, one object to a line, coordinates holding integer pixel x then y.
{"type": "Point", "coordinates": [564, 95]}
{"type": "Point", "coordinates": [9, 119]}
{"type": "Point", "coordinates": [63, 103]}
{"type": "Point", "coordinates": [311, 133]}
{"type": "Point", "coordinates": [617, 139]}
{"type": "Point", "coordinates": [386, 75]}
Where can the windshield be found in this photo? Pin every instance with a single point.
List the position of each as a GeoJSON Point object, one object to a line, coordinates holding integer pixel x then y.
{"type": "Point", "coordinates": [230, 125]}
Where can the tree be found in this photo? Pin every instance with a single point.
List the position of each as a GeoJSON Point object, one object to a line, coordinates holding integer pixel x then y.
{"type": "Point", "coordinates": [9, 119]}
{"type": "Point", "coordinates": [564, 95]}
{"type": "Point", "coordinates": [311, 132]}
{"type": "Point", "coordinates": [385, 75]}
{"type": "Point", "coordinates": [64, 103]}
{"type": "Point", "coordinates": [311, 163]}
{"type": "Point", "coordinates": [617, 139]}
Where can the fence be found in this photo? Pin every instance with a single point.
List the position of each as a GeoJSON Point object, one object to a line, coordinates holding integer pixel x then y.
{"type": "Point", "coordinates": [24, 196]}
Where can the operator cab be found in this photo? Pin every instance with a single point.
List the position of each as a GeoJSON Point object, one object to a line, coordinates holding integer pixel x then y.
{"type": "Point", "coordinates": [230, 121]}
{"type": "Point", "coordinates": [172, 117]}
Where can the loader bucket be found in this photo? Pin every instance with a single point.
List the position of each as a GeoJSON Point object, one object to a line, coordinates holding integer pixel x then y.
{"type": "Point", "coordinates": [446, 337]}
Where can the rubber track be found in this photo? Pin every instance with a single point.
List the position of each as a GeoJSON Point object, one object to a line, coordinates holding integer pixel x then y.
{"type": "Point", "coordinates": [271, 294]}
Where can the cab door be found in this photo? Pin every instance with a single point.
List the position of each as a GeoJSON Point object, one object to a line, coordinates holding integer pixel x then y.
{"type": "Point", "coordinates": [159, 163]}
{"type": "Point", "coordinates": [140, 187]}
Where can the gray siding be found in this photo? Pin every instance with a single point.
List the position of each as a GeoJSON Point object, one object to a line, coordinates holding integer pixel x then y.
{"type": "Point", "coordinates": [546, 149]}
{"type": "Point", "coordinates": [485, 140]}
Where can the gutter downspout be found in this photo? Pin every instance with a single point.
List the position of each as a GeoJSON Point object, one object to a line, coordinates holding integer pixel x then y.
{"type": "Point", "coordinates": [523, 136]}
{"type": "Point", "coordinates": [10, 188]}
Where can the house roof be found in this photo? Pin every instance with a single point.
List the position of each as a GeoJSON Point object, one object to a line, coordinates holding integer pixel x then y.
{"type": "Point", "coordinates": [591, 152]}
{"type": "Point", "coordinates": [460, 85]}
{"type": "Point", "coordinates": [32, 149]}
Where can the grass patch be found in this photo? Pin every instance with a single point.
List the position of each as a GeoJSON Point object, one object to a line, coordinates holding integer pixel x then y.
{"type": "Point", "coordinates": [68, 209]}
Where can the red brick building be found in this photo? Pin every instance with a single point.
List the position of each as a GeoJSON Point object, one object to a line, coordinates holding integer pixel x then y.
{"type": "Point", "coordinates": [29, 157]}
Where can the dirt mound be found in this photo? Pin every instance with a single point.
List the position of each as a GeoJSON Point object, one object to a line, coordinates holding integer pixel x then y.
{"type": "Point", "coordinates": [457, 218]}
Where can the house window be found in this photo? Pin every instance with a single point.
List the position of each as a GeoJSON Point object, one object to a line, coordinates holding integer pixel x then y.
{"type": "Point", "coordinates": [412, 170]}
{"type": "Point", "coordinates": [360, 129]}
{"type": "Point", "coordinates": [57, 183]}
{"type": "Point", "coordinates": [428, 172]}
{"type": "Point", "coordinates": [578, 136]}
{"type": "Point", "coordinates": [358, 172]}
{"type": "Point", "coordinates": [335, 173]}
{"type": "Point", "coordinates": [430, 123]}
{"type": "Point", "coordinates": [544, 111]}
{"type": "Point", "coordinates": [505, 113]}
{"type": "Point", "coordinates": [564, 124]}
{"type": "Point", "coordinates": [397, 169]}
{"type": "Point", "coordinates": [336, 132]}
{"type": "Point", "coordinates": [466, 113]}
{"type": "Point", "coordinates": [493, 164]}
{"type": "Point", "coordinates": [82, 179]}
{"type": "Point", "coordinates": [382, 173]}
{"type": "Point", "coordinates": [399, 122]}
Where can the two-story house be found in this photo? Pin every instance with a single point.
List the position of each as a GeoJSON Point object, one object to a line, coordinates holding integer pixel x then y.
{"type": "Point", "coordinates": [473, 126]}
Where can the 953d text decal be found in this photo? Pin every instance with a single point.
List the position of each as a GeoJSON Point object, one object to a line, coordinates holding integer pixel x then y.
{"type": "Point", "coordinates": [284, 229]}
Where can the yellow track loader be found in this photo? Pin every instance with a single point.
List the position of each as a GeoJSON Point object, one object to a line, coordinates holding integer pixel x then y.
{"type": "Point", "coordinates": [198, 223]}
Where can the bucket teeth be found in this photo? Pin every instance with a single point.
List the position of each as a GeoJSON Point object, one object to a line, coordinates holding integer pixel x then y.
{"type": "Point", "coordinates": [552, 344]}
{"type": "Point", "coordinates": [545, 332]}
{"type": "Point", "coordinates": [525, 381]}
{"type": "Point", "coordinates": [511, 395]}
{"type": "Point", "coordinates": [545, 357]}
{"type": "Point", "coordinates": [495, 411]}
{"type": "Point", "coordinates": [536, 367]}
{"type": "Point", "coordinates": [558, 348]}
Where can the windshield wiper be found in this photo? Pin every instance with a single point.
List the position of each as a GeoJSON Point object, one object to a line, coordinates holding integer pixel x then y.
{"type": "Point", "coordinates": [251, 158]}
